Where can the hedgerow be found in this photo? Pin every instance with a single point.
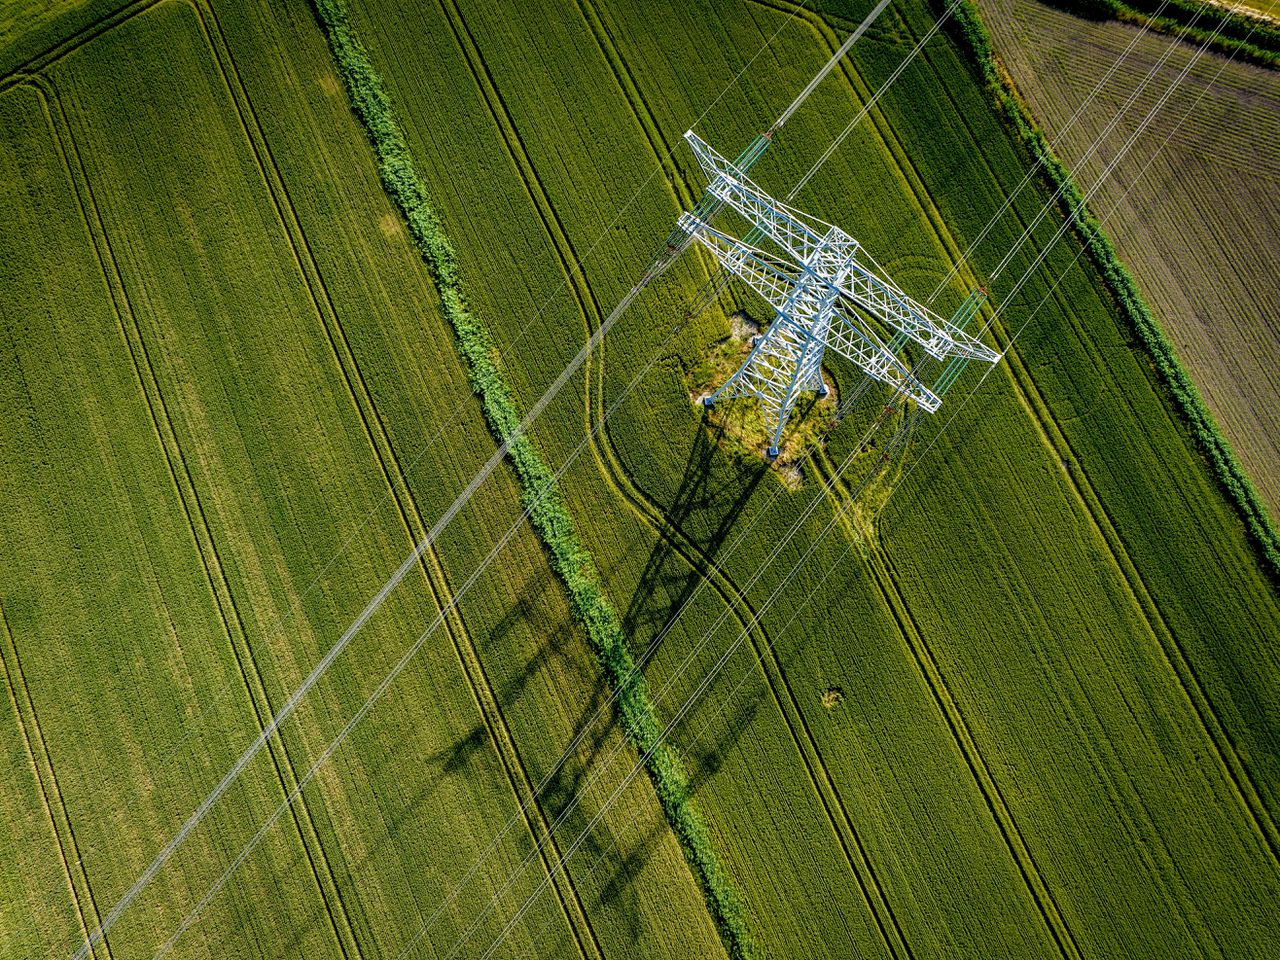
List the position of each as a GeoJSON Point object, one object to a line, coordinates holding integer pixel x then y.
{"type": "Point", "coordinates": [1247, 36]}
{"type": "Point", "coordinates": [1235, 483]}
{"type": "Point", "coordinates": [548, 513]}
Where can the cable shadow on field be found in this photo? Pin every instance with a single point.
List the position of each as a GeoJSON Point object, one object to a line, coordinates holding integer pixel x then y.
{"type": "Point", "coordinates": [618, 893]}
{"type": "Point", "coordinates": [670, 577]}
{"type": "Point", "coordinates": [668, 580]}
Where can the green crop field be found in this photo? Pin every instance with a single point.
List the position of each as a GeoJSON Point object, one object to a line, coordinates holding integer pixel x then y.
{"type": "Point", "coordinates": [197, 423]}
{"type": "Point", "coordinates": [1029, 711]}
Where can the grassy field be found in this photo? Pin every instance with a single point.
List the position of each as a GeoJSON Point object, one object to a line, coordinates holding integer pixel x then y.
{"type": "Point", "coordinates": [1055, 730]}
{"type": "Point", "coordinates": [970, 742]}
{"type": "Point", "coordinates": [1195, 227]}
{"type": "Point", "coordinates": [209, 433]}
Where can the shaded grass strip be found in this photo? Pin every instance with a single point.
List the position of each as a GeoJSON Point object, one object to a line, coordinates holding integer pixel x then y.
{"type": "Point", "coordinates": [548, 513]}
{"type": "Point", "coordinates": [1224, 466]}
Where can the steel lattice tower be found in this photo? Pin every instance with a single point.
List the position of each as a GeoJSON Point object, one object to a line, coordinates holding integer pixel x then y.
{"type": "Point", "coordinates": [821, 286]}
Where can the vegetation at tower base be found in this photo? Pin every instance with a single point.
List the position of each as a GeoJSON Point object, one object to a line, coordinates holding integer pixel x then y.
{"type": "Point", "coordinates": [1226, 468]}
{"type": "Point", "coordinates": [547, 512]}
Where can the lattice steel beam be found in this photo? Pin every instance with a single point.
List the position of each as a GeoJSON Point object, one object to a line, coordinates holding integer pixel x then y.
{"type": "Point", "coordinates": [819, 283]}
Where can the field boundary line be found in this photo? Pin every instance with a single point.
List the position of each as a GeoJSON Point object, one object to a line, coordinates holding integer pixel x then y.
{"type": "Point", "coordinates": [12, 651]}
{"type": "Point", "coordinates": [1224, 745]}
{"type": "Point", "coordinates": [34, 64]}
{"type": "Point", "coordinates": [468, 656]}
{"type": "Point", "coordinates": [389, 465]}
{"type": "Point", "coordinates": [851, 843]}
{"type": "Point", "coordinates": [188, 495]}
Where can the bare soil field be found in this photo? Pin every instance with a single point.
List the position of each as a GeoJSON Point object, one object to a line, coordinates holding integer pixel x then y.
{"type": "Point", "coordinates": [1198, 226]}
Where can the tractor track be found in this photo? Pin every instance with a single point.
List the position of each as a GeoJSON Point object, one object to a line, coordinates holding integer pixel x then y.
{"type": "Point", "coordinates": [193, 508]}
{"type": "Point", "coordinates": [610, 459]}
{"type": "Point", "coordinates": [1091, 504]}
{"type": "Point", "coordinates": [1038, 887]}
{"type": "Point", "coordinates": [468, 657]}
{"type": "Point", "coordinates": [610, 465]}
{"type": "Point", "coordinates": [57, 51]}
{"type": "Point", "coordinates": [51, 799]}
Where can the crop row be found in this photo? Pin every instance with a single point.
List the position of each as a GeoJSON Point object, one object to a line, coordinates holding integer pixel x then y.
{"type": "Point", "coordinates": [1235, 482]}
{"type": "Point", "coordinates": [547, 511]}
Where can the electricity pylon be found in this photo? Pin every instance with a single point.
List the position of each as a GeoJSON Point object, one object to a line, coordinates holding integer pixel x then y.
{"type": "Point", "coordinates": [822, 286]}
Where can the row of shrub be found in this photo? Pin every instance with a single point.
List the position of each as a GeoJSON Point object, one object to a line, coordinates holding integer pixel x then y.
{"type": "Point", "coordinates": [1226, 468]}
{"type": "Point", "coordinates": [1249, 37]}
{"type": "Point", "coordinates": [548, 513]}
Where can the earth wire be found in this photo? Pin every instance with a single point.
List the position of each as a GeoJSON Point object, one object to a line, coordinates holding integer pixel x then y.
{"type": "Point", "coordinates": [687, 705]}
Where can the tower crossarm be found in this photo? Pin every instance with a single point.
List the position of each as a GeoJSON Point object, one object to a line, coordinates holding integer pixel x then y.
{"type": "Point", "coordinates": [810, 296]}
{"type": "Point", "coordinates": [849, 338]}
{"type": "Point", "coordinates": [941, 339]}
{"type": "Point", "coordinates": [801, 236]}
{"type": "Point", "coordinates": [761, 272]}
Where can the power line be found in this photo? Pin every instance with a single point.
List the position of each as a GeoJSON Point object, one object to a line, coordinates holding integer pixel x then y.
{"type": "Point", "coordinates": [534, 413]}
{"type": "Point", "coordinates": [1059, 137]}
{"type": "Point", "coordinates": [830, 64]}
{"type": "Point", "coordinates": [687, 705]}
{"type": "Point", "coordinates": [1079, 165]}
{"type": "Point", "coordinates": [420, 548]}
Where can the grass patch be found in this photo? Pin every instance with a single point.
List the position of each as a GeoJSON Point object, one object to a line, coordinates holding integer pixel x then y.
{"type": "Point", "coordinates": [738, 424]}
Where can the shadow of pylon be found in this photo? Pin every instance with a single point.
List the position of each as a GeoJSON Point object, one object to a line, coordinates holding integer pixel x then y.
{"type": "Point", "coordinates": [682, 556]}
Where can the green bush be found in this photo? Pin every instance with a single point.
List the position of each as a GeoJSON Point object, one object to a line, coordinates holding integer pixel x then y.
{"type": "Point", "coordinates": [1226, 468]}
{"type": "Point", "coordinates": [1249, 38]}
{"type": "Point", "coordinates": [547, 511]}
